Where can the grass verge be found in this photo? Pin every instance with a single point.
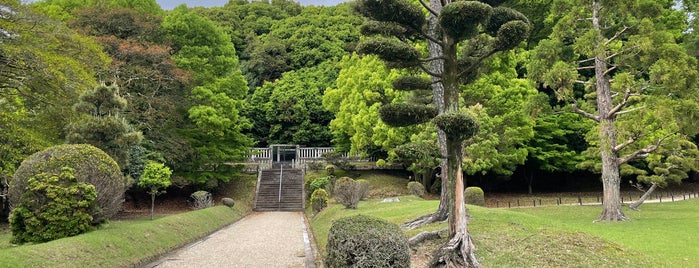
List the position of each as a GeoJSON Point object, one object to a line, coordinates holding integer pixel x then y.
{"type": "Point", "coordinates": [663, 235]}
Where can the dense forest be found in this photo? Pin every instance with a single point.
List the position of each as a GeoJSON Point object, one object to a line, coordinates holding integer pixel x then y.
{"type": "Point", "coordinates": [194, 88]}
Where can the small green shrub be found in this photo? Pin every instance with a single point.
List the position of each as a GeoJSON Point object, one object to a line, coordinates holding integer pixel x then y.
{"type": "Point", "coordinates": [91, 165]}
{"type": "Point", "coordinates": [319, 183]}
{"type": "Point", "coordinates": [381, 163]}
{"type": "Point", "coordinates": [474, 196]}
{"type": "Point", "coordinates": [364, 188]}
{"type": "Point", "coordinates": [416, 188]}
{"type": "Point", "coordinates": [319, 200]}
{"type": "Point", "coordinates": [347, 192]}
{"type": "Point", "coordinates": [52, 207]}
{"type": "Point", "coordinates": [363, 241]}
{"type": "Point", "coordinates": [330, 170]}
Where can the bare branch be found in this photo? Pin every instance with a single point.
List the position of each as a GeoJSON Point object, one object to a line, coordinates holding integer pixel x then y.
{"type": "Point", "coordinates": [630, 110]}
{"type": "Point", "coordinates": [427, 70]}
{"type": "Point", "coordinates": [628, 142]}
{"type": "Point", "coordinates": [643, 153]}
{"type": "Point", "coordinates": [427, 6]}
{"type": "Point", "coordinates": [619, 33]}
{"type": "Point", "coordinates": [584, 82]}
{"type": "Point", "coordinates": [623, 102]}
{"type": "Point", "coordinates": [584, 61]}
{"type": "Point", "coordinates": [609, 70]}
{"type": "Point", "coordinates": [432, 59]}
{"type": "Point", "coordinates": [584, 113]}
{"type": "Point", "coordinates": [585, 67]}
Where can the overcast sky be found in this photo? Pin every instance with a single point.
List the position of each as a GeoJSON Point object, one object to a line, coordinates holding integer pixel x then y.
{"type": "Point", "coordinates": [170, 4]}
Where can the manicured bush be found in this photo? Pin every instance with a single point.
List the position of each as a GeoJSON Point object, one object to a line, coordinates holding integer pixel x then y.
{"type": "Point", "coordinates": [364, 188]}
{"type": "Point", "coordinates": [91, 165]}
{"type": "Point", "coordinates": [330, 170]}
{"type": "Point", "coordinates": [228, 202]}
{"type": "Point", "coordinates": [416, 188]}
{"type": "Point", "coordinates": [474, 196]}
{"type": "Point", "coordinates": [347, 192]}
{"type": "Point", "coordinates": [381, 163]}
{"type": "Point", "coordinates": [319, 200]}
{"type": "Point", "coordinates": [52, 207]}
{"type": "Point", "coordinates": [363, 241]}
{"type": "Point", "coordinates": [201, 199]}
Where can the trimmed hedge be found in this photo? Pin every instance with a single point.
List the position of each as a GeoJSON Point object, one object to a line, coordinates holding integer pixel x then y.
{"type": "Point", "coordinates": [416, 188]}
{"type": "Point", "coordinates": [319, 200]}
{"type": "Point", "coordinates": [364, 241]}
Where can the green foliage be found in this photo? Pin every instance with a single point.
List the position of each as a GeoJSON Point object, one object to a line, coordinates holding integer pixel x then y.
{"type": "Point", "coordinates": [347, 192]}
{"type": "Point", "coordinates": [101, 124]}
{"type": "Point", "coordinates": [52, 207]}
{"type": "Point", "coordinates": [364, 187]}
{"type": "Point", "coordinates": [406, 114]}
{"type": "Point", "coordinates": [408, 83]}
{"type": "Point", "coordinates": [416, 188]}
{"type": "Point", "coordinates": [395, 53]}
{"type": "Point", "coordinates": [92, 166]}
{"type": "Point", "coordinates": [319, 183]}
{"type": "Point", "coordinates": [330, 170]}
{"type": "Point", "coordinates": [319, 200]}
{"type": "Point", "coordinates": [458, 126]}
{"type": "Point", "coordinates": [511, 34]}
{"type": "Point", "coordinates": [401, 12]}
{"type": "Point", "coordinates": [364, 241]}
{"type": "Point", "coordinates": [462, 19]}
{"type": "Point", "coordinates": [372, 27]}
{"type": "Point", "coordinates": [474, 196]}
{"type": "Point", "coordinates": [500, 17]}
{"type": "Point", "coordinates": [155, 178]}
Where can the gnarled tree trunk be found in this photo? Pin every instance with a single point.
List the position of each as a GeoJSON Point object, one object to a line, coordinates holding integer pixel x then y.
{"type": "Point", "coordinates": [645, 196]}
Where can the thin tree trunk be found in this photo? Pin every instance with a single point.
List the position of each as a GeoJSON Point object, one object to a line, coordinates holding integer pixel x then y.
{"type": "Point", "coordinates": [611, 181]}
{"type": "Point", "coordinates": [152, 205]}
{"type": "Point", "coordinates": [645, 196]}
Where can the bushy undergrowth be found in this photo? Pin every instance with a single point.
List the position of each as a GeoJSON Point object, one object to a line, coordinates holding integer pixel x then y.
{"type": "Point", "coordinates": [363, 241]}
{"type": "Point", "coordinates": [319, 200]}
{"type": "Point", "coordinates": [416, 188]}
{"type": "Point", "coordinates": [52, 207]}
{"type": "Point", "coordinates": [347, 192]}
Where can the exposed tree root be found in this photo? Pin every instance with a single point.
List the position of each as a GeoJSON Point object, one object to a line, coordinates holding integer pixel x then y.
{"type": "Point", "coordinates": [458, 252]}
{"type": "Point", "coordinates": [421, 237]}
{"type": "Point", "coordinates": [424, 220]}
{"type": "Point", "coordinates": [612, 215]}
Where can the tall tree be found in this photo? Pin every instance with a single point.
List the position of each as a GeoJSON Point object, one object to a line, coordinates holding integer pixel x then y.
{"type": "Point", "coordinates": [618, 63]}
{"type": "Point", "coordinates": [102, 124]}
{"type": "Point", "coordinates": [215, 127]}
{"type": "Point", "coordinates": [481, 30]}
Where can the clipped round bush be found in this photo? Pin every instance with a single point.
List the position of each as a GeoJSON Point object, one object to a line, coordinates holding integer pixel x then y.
{"type": "Point", "coordinates": [52, 207]}
{"type": "Point", "coordinates": [319, 200]}
{"type": "Point", "coordinates": [92, 166]}
{"type": "Point", "coordinates": [458, 126]}
{"type": "Point", "coordinates": [381, 163]}
{"type": "Point", "coordinates": [228, 202]}
{"type": "Point", "coordinates": [330, 170]}
{"type": "Point", "coordinates": [416, 188]}
{"type": "Point", "coordinates": [347, 192]}
{"type": "Point", "coordinates": [363, 241]}
{"type": "Point", "coordinates": [364, 188]}
{"type": "Point", "coordinates": [474, 196]}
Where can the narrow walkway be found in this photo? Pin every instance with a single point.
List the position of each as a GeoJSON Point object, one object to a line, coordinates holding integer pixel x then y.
{"type": "Point", "coordinates": [262, 239]}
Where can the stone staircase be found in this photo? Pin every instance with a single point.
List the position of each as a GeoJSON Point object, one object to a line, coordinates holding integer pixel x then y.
{"type": "Point", "coordinates": [268, 196]}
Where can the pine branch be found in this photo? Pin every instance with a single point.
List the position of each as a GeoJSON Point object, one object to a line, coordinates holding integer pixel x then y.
{"type": "Point", "coordinates": [643, 153]}
{"type": "Point", "coordinates": [427, 6]}
{"type": "Point", "coordinates": [619, 33]}
{"type": "Point", "coordinates": [622, 104]}
{"type": "Point", "coordinates": [630, 110]}
{"type": "Point", "coordinates": [584, 113]}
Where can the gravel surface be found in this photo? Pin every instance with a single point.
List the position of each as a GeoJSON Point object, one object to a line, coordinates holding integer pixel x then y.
{"type": "Point", "coordinates": [262, 239]}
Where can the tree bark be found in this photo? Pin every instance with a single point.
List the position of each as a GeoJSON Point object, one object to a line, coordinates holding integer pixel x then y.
{"type": "Point", "coordinates": [645, 196]}
{"type": "Point", "coordinates": [152, 205]}
{"type": "Point", "coordinates": [611, 181]}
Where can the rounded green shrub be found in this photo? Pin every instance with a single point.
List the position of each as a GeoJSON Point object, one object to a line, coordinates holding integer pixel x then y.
{"type": "Point", "coordinates": [52, 207]}
{"type": "Point", "coordinates": [364, 188]}
{"type": "Point", "coordinates": [363, 241]}
{"type": "Point", "coordinates": [474, 196]}
{"type": "Point", "coordinates": [416, 188]}
{"type": "Point", "coordinates": [347, 192]}
{"type": "Point", "coordinates": [319, 183]}
{"type": "Point", "coordinates": [330, 170]}
{"type": "Point", "coordinates": [91, 165]}
{"type": "Point", "coordinates": [319, 200]}
{"type": "Point", "coordinates": [381, 163]}
{"type": "Point", "coordinates": [458, 126]}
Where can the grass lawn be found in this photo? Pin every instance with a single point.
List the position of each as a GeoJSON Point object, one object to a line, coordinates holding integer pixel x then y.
{"type": "Point", "coordinates": [662, 235]}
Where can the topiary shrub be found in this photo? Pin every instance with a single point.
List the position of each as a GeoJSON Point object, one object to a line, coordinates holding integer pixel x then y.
{"type": "Point", "coordinates": [347, 192]}
{"type": "Point", "coordinates": [363, 241]}
{"type": "Point", "coordinates": [364, 188]}
{"type": "Point", "coordinates": [319, 200]}
{"type": "Point", "coordinates": [91, 165]}
{"type": "Point", "coordinates": [416, 188]}
{"type": "Point", "coordinates": [52, 207]}
{"type": "Point", "coordinates": [201, 200]}
{"type": "Point", "coordinates": [474, 196]}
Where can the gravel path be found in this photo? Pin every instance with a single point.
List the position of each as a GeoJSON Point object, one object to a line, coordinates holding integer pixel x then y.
{"type": "Point", "coordinates": [262, 239]}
